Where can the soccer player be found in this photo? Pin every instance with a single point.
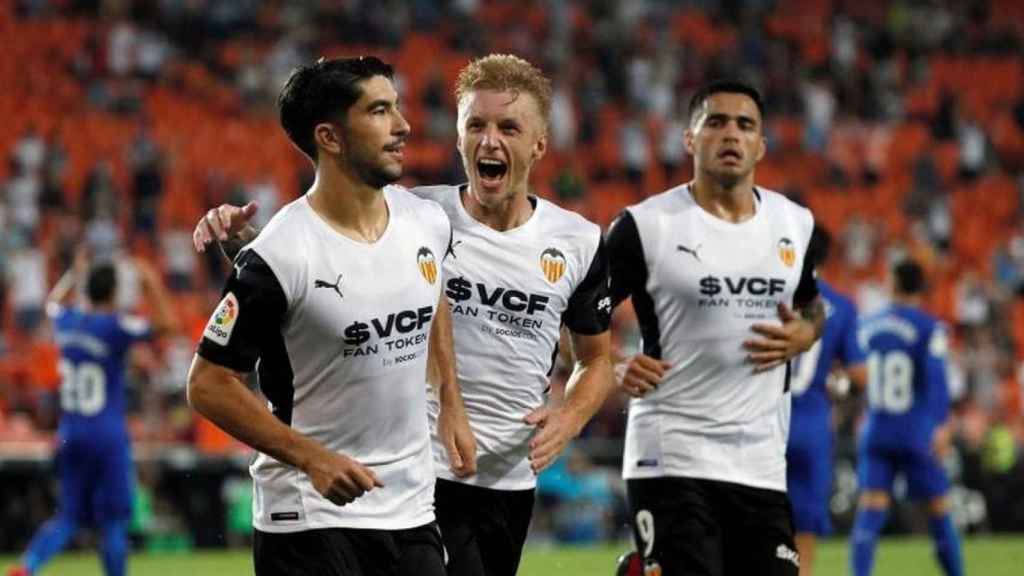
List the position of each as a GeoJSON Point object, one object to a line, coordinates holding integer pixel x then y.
{"type": "Point", "coordinates": [725, 296]}
{"type": "Point", "coordinates": [905, 431]}
{"type": "Point", "coordinates": [809, 452]}
{"type": "Point", "coordinates": [519, 268]}
{"type": "Point", "coordinates": [333, 306]}
{"type": "Point", "coordinates": [94, 450]}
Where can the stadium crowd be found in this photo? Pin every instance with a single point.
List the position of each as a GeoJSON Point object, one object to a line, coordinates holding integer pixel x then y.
{"type": "Point", "coordinates": [900, 124]}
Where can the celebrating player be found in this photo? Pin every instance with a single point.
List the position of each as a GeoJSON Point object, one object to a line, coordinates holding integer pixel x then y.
{"type": "Point", "coordinates": [333, 306]}
{"type": "Point", "coordinates": [519, 268]}
{"type": "Point", "coordinates": [716, 268]}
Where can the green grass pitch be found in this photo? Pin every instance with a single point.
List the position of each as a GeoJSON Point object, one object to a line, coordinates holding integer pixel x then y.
{"type": "Point", "coordinates": [997, 556]}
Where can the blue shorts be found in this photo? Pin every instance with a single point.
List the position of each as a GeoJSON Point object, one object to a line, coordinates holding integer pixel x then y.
{"type": "Point", "coordinates": [96, 480]}
{"type": "Point", "coordinates": [809, 481]}
{"type": "Point", "coordinates": [878, 465]}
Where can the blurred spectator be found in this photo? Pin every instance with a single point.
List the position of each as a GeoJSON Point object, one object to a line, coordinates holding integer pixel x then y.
{"type": "Point", "coordinates": [26, 276]}
{"type": "Point", "coordinates": [23, 191]}
{"type": "Point", "coordinates": [146, 162]}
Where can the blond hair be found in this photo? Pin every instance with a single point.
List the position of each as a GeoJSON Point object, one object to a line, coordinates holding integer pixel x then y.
{"type": "Point", "coordinates": [505, 72]}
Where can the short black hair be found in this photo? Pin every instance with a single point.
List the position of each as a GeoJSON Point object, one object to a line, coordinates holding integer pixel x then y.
{"type": "Point", "coordinates": [727, 86]}
{"type": "Point", "coordinates": [908, 277]}
{"type": "Point", "coordinates": [324, 91]}
{"type": "Point", "coordinates": [820, 246]}
{"type": "Point", "coordinates": [101, 282]}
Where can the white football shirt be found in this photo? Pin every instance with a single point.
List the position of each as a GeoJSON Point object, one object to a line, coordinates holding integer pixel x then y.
{"type": "Point", "coordinates": [698, 285]}
{"type": "Point", "coordinates": [340, 329]}
{"type": "Point", "coordinates": [510, 292]}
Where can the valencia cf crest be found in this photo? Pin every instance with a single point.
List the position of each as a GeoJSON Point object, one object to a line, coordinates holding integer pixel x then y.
{"type": "Point", "coordinates": [787, 252]}
{"type": "Point", "coordinates": [428, 264]}
{"type": "Point", "coordinates": [552, 262]}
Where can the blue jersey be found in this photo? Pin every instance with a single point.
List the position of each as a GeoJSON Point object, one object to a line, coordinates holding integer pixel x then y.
{"type": "Point", "coordinates": [93, 347]}
{"type": "Point", "coordinates": [811, 405]}
{"type": "Point", "coordinates": [907, 391]}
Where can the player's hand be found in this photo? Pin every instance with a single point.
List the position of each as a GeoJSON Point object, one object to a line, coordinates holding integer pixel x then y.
{"type": "Point", "coordinates": [458, 440]}
{"type": "Point", "coordinates": [778, 344]}
{"type": "Point", "coordinates": [555, 428]}
{"type": "Point", "coordinates": [942, 439]}
{"type": "Point", "coordinates": [640, 374]}
{"type": "Point", "coordinates": [339, 478]}
{"type": "Point", "coordinates": [221, 223]}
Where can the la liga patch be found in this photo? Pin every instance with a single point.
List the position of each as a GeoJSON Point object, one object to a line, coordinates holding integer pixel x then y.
{"type": "Point", "coordinates": [223, 321]}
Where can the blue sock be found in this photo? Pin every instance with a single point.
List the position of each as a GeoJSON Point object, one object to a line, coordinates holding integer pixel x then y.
{"type": "Point", "coordinates": [49, 540]}
{"type": "Point", "coordinates": [866, 526]}
{"type": "Point", "coordinates": [115, 548]}
{"type": "Point", "coordinates": [947, 544]}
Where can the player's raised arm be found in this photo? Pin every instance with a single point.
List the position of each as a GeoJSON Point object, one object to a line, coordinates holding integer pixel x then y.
{"type": "Point", "coordinates": [164, 318]}
{"type": "Point", "coordinates": [65, 287]}
{"type": "Point", "coordinates": [453, 424]}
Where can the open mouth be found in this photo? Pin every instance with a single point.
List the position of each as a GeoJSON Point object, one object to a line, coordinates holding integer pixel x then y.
{"type": "Point", "coordinates": [490, 169]}
{"type": "Point", "coordinates": [730, 155]}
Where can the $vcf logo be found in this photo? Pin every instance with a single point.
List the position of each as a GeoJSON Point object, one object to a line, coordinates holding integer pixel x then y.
{"type": "Point", "coordinates": [552, 262]}
{"type": "Point", "coordinates": [428, 264]}
{"type": "Point", "coordinates": [787, 252]}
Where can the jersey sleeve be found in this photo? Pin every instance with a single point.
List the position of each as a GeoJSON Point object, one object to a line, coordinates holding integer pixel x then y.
{"type": "Point", "coordinates": [626, 266]}
{"type": "Point", "coordinates": [248, 317]}
{"type": "Point", "coordinates": [589, 309]}
{"type": "Point", "coordinates": [807, 289]}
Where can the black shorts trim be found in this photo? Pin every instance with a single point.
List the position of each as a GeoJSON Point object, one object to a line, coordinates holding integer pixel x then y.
{"type": "Point", "coordinates": [350, 552]}
{"type": "Point", "coordinates": [710, 528]}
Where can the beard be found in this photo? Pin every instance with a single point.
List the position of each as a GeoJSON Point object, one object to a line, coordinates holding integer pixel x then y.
{"type": "Point", "coordinates": [374, 173]}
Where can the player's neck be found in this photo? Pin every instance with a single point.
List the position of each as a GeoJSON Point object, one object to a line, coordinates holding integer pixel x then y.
{"type": "Point", "coordinates": [99, 308]}
{"type": "Point", "coordinates": [911, 300]}
{"type": "Point", "coordinates": [349, 206]}
{"type": "Point", "coordinates": [730, 203]}
{"type": "Point", "coordinates": [510, 213]}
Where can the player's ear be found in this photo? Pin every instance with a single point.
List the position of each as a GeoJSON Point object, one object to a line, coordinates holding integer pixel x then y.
{"type": "Point", "coordinates": [327, 137]}
{"type": "Point", "coordinates": [688, 141]}
{"type": "Point", "coordinates": [762, 147]}
{"type": "Point", "coordinates": [540, 147]}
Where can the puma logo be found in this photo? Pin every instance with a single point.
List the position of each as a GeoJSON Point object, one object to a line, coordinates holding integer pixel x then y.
{"type": "Point", "coordinates": [326, 284]}
{"type": "Point", "coordinates": [451, 249]}
{"type": "Point", "coordinates": [690, 251]}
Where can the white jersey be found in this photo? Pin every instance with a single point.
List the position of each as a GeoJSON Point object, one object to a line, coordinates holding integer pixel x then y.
{"type": "Point", "coordinates": [340, 329]}
{"type": "Point", "coordinates": [510, 292]}
{"type": "Point", "coordinates": [698, 285]}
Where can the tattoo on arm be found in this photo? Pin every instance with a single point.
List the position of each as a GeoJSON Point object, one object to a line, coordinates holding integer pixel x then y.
{"type": "Point", "coordinates": [814, 312]}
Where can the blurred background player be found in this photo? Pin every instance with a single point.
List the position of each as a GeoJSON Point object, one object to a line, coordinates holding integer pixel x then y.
{"type": "Point", "coordinates": [809, 459]}
{"type": "Point", "coordinates": [905, 431]}
{"type": "Point", "coordinates": [725, 296]}
{"type": "Point", "coordinates": [93, 455]}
